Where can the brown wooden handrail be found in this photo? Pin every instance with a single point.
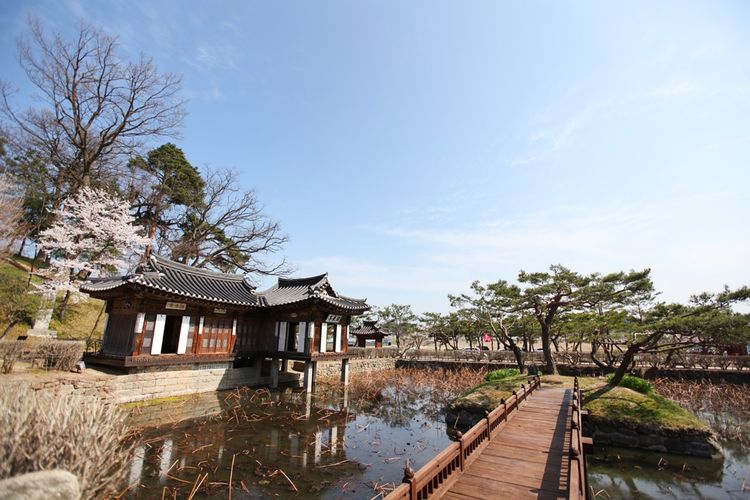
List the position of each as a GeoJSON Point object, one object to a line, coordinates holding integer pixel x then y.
{"type": "Point", "coordinates": [578, 488]}
{"type": "Point", "coordinates": [439, 474]}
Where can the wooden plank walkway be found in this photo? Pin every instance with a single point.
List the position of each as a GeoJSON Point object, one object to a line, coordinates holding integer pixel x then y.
{"type": "Point", "coordinates": [529, 456]}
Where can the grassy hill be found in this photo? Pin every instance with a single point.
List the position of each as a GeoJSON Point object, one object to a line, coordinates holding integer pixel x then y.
{"type": "Point", "coordinates": [79, 318]}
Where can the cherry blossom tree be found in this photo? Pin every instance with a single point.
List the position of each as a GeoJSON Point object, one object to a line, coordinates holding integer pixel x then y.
{"type": "Point", "coordinates": [93, 234]}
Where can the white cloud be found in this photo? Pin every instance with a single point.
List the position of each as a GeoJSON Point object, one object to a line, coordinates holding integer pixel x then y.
{"type": "Point", "coordinates": [665, 236]}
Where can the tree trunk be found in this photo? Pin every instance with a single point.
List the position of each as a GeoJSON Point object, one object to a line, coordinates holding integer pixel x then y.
{"type": "Point", "coordinates": [96, 323]}
{"type": "Point", "coordinates": [20, 249]}
{"type": "Point", "coordinates": [63, 305]}
{"type": "Point", "coordinates": [625, 362]}
{"type": "Point", "coordinates": [518, 353]}
{"type": "Point", "coordinates": [549, 362]}
{"type": "Point", "coordinates": [8, 329]}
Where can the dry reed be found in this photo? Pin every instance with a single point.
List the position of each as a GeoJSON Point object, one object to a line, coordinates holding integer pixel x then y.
{"type": "Point", "coordinates": [46, 430]}
{"type": "Point", "coordinates": [701, 396]}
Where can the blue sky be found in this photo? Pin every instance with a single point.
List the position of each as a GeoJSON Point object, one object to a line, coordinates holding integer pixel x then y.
{"type": "Point", "coordinates": [409, 148]}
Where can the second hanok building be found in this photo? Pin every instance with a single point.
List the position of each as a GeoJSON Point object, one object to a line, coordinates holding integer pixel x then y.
{"type": "Point", "coordinates": [167, 313]}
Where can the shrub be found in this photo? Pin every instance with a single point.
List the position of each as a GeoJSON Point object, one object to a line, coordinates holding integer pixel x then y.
{"type": "Point", "coordinates": [59, 354]}
{"type": "Point", "coordinates": [45, 430]}
{"type": "Point", "coordinates": [501, 374]}
{"type": "Point", "coordinates": [635, 383]}
{"type": "Point", "coordinates": [10, 352]}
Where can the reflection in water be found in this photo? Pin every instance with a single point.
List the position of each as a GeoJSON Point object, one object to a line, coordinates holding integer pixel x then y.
{"type": "Point", "coordinates": [343, 444]}
{"type": "Point", "coordinates": [623, 473]}
{"type": "Point", "coordinates": [312, 446]}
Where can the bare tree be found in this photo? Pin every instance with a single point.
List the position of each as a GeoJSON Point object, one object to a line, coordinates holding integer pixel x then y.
{"type": "Point", "coordinates": [227, 230]}
{"type": "Point", "coordinates": [11, 213]}
{"type": "Point", "coordinates": [96, 110]}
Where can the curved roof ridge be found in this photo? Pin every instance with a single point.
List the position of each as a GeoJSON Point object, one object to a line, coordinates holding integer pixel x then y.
{"type": "Point", "coordinates": [310, 281]}
{"type": "Point", "coordinates": [157, 260]}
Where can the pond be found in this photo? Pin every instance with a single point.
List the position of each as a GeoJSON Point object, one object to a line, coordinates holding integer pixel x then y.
{"type": "Point", "coordinates": [622, 473]}
{"type": "Point", "coordinates": [347, 443]}
{"type": "Point", "coordinates": [276, 444]}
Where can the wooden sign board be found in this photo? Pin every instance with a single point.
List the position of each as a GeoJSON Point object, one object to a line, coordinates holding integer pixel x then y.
{"type": "Point", "coordinates": [177, 306]}
{"type": "Point", "coordinates": [218, 310]}
{"type": "Point", "coordinates": [333, 318]}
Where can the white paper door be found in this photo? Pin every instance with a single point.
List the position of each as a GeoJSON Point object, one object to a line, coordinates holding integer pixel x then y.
{"type": "Point", "coordinates": [184, 329]}
{"type": "Point", "coordinates": [282, 335]}
{"type": "Point", "coordinates": [337, 341]}
{"type": "Point", "coordinates": [158, 333]}
{"type": "Point", "coordinates": [323, 336]}
{"type": "Point", "coordinates": [301, 337]}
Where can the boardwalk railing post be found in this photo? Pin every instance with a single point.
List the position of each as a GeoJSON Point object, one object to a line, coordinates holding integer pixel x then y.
{"type": "Point", "coordinates": [460, 449]}
{"type": "Point", "coordinates": [505, 408]}
{"type": "Point", "coordinates": [489, 425]}
{"type": "Point", "coordinates": [409, 479]}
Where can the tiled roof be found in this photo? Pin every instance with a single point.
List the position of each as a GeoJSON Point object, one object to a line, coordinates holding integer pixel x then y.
{"type": "Point", "coordinates": [368, 328]}
{"type": "Point", "coordinates": [291, 291]}
{"type": "Point", "coordinates": [165, 275]}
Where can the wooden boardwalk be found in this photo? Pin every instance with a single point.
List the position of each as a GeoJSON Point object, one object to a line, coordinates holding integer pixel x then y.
{"type": "Point", "coordinates": [529, 456]}
{"type": "Point", "coordinates": [530, 446]}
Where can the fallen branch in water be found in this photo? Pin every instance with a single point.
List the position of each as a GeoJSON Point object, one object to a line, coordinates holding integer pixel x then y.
{"type": "Point", "coordinates": [333, 465]}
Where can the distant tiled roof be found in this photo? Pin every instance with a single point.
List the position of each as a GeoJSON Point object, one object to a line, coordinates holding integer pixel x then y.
{"type": "Point", "coordinates": [368, 328]}
{"type": "Point", "coordinates": [291, 291]}
{"type": "Point", "coordinates": [172, 277]}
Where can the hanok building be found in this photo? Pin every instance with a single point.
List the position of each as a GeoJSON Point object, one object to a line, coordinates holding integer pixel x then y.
{"type": "Point", "coordinates": [167, 313]}
{"type": "Point", "coordinates": [369, 331]}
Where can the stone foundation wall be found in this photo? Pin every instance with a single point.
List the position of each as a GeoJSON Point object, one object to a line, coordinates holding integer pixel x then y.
{"type": "Point", "coordinates": [698, 444]}
{"type": "Point", "coordinates": [164, 383]}
{"type": "Point", "coordinates": [332, 369]}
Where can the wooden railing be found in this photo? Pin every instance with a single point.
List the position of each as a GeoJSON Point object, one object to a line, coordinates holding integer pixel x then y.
{"type": "Point", "coordinates": [578, 486]}
{"type": "Point", "coordinates": [440, 473]}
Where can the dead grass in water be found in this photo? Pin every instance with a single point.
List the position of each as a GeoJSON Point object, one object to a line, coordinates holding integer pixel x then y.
{"type": "Point", "coordinates": [438, 387]}
{"type": "Point", "coordinates": [698, 396]}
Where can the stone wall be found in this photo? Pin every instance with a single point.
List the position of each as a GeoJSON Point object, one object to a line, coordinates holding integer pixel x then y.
{"type": "Point", "coordinates": [695, 443]}
{"type": "Point", "coordinates": [164, 383]}
{"type": "Point", "coordinates": [713, 375]}
{"type": "Point", "coordinates": [332, 369]}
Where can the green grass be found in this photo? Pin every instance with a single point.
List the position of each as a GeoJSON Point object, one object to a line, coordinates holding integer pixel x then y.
{"type": "Point", "coordinates": [648, 411]}
{"type": "Point", "coordinates": [502, 373]}
{"type": "Point", "coordinates": [487, 396]}
{"type": "Point", "coordinates": [154, 402]}
{"type": "Point", "coordinates": [79, 319]}
{"type": "Point", "coordinates": [635, 383]}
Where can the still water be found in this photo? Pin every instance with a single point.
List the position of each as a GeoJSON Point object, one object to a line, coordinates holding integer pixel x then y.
{"type": "Point", "coordinates": [621, 473]}
{"type": "Point", "coordinates": [337, 444]}
{"type": "Point", "coordinates": [281, 444]}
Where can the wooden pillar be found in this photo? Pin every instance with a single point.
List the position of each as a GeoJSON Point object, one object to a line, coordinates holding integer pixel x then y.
{"type": "Point", "coordinates": [314, 337]}
{"type": "Point", "coordinates": [379, 342]}
{"type": "Point", "coordinates": [140, 331]}
{"type": "Point", "coordinates": [285, 365]}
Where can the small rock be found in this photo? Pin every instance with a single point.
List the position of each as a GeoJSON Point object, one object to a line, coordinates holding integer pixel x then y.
{"type": "Point", "coordinates": [80, 366]}
{"type": "Point", "coordinates": [42, 485]}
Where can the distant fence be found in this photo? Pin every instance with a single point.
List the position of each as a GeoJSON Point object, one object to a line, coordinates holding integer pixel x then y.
{"type": "Point", "coordinates": [571, 359]}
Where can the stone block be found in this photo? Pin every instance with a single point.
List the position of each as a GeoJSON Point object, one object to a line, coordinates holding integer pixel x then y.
{"type": "Point", "coordinates": [42, 485]}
